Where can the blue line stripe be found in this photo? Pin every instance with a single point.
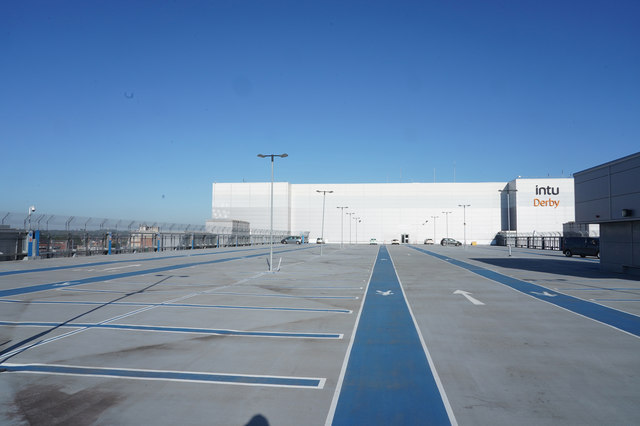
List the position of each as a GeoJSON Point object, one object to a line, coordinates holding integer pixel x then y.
{"type": "Point", "coordinates": [176, 329]}
{"type": "Point", "coordinates": [52, 286]}
{"type": "Point", "coordinates": [388, 379]}
{"type": "Point", "coordinates": [618, 319]}
{"type": "Point", "coordinates": [177, 305]}
{"type": "Point", "coordinates": [165, 375]}
{"type": "Point", "coordinates": [111, 262]}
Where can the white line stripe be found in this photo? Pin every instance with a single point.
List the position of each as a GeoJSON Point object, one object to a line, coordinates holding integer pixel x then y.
{"type": "Point", "coordinates": [321, 380]}
{"type": "Point", "coordinates": [121, 267]}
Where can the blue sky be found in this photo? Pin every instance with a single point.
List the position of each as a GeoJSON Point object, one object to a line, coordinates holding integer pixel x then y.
{"type": "Point", "coordinates": [131, 109]}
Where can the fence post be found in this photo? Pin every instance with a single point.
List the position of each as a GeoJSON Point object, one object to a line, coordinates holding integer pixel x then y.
{"type": "Point", "coordinates": [30, 244]}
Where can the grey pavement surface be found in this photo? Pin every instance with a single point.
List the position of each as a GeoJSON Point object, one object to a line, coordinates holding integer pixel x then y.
{"type": "Point", "coordinates": [503, 356]}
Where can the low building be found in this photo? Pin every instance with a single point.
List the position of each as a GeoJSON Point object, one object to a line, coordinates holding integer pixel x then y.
{"type": "Point", "coordinates": [232, 232]}
{"type": "Point", "coordinates": [609, 195]}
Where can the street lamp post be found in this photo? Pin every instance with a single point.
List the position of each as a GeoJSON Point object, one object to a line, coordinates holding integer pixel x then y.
{"type": "Point", "coordinates": [464, 223]}
{"type": "Point", "coordinates": [324, 196]}
{"type": "Point", "coordinates": [447, 220]}
{"type": "Point", "coordinates": [342, 223]}
{"type": "Point", "coordinates": [350, 217]}
{"type": "Point", "coordinates": [271, 226]}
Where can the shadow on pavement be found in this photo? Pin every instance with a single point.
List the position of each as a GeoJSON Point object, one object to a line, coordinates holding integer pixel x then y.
{"type": "Point", "coordinates": [576, 268]}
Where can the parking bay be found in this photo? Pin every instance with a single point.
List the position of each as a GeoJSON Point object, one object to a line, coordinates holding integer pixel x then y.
{"type": "Point", "coordinates": [193, 350]}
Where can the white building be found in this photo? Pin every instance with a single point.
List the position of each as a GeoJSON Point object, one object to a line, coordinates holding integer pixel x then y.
{"type": "Point", "coordinates": [415, 211]}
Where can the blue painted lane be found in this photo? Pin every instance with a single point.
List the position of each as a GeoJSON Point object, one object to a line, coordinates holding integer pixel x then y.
{"type": "Point", "coordinates": [298, 382]}
{"type": "Point", "coordinates": [190, 330]}
{"type": "Point", "coordinates": [89, 280]}
{"type": "Point", "coordinates": [111, 262]}
{"type": "Point", "coordinates": [388, 380]}
{"type": "Point", "coordinates": [621, 320]}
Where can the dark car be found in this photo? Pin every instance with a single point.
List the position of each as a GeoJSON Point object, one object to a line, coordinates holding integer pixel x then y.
{"type": "Point", "coordinates": [450, 242]}
{"type": "Point", "coordinates": [291, 240]}
{"type": "Point", "coordinates": [581, 246]}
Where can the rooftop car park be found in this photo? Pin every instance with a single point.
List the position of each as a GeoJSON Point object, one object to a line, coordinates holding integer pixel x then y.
{"type": "Point", "coordinates": [367, 334]}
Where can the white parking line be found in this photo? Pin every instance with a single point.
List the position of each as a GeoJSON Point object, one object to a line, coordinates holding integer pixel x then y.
{"type": "Point", "coordinates": [121, 267]}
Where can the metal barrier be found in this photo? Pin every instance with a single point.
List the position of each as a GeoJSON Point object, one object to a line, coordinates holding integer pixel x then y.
{"type": "Point", "coordinates": [541, 241]}
{"type": "Point", "coordinates": [45, 236]}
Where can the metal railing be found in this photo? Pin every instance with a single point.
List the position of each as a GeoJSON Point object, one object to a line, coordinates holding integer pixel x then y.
{"type": "Point", "coordinates": [66, 236]}
{"type": "Point", "coordinates": [541, 241]}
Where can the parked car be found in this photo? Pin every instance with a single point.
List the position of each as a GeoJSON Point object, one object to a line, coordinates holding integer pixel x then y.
{"type": "Point", "coordinates": [582, 246]}
{"type": "Point", "coordinates": [319, 240]}
{"type": "Point", "coordinates": [291, 240]}
{"type": "Point", "coordinates": [373, 241]}
{"type": "Point", "coordinates": [428, 241]}
{"type": "Point", "coordinates": [395, 241]}
{"type": "Point", "coordinates": [450, 242]}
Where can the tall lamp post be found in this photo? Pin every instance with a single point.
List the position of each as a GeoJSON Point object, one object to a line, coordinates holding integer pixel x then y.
{"type": "Point", "coordinates": [271, 226]}
{"type": "Point", "coordinates": [350, 217]}
{"type": "Point", "coordinates": [447, 220]}
{"type": "Point", "coordinates": [341, 223]}
{"type": "Point", "coordinates": [464, 223]}
{"type": "Point", "coordinates": [324, 196]}
{"type": "Point", "coordinates": [434, 228]}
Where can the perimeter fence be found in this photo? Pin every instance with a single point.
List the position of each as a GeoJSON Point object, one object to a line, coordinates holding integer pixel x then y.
{"type": "Point", "coordinates": [541, 241]}
{"type": "Point", "coordinates": [45, 236]}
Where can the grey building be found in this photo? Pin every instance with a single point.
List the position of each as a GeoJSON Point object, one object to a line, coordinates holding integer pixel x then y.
{"type": "Point", "coordinates": [609, 195]}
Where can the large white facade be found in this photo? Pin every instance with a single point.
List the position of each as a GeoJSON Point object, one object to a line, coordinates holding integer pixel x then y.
{"type": "Point", "coordinates": [543, 205]}
{"type": "Point", "coordinates": [391, 210]}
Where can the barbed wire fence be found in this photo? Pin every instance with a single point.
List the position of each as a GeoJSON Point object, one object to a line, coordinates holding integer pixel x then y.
{"type": "Point", "coordinates": [66, 236]}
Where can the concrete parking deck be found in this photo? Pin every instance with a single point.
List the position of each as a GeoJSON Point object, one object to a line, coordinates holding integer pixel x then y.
{"type": "Point", "coordinates": [359, 335]}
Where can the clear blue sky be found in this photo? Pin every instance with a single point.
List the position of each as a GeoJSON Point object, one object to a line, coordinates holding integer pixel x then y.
{"type": "Point", "coordinates": [131, 109]}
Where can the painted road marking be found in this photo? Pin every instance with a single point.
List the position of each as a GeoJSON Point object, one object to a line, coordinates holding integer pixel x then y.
{"type": "Point", "coordinates": [111, 262]}
{"type": "Point", "coordinates": [284, 296]}
{"type": "Point", "coordinates": [167, 375]}
{"type": "Point", "coordinates": [544, 293]}
{"type": "Point", "coordinates": [620, 320]}
{"type": "Point", "coordinates": [597, 289]}
{"type": "Point", "coordinates": [468, 296]}
{"type": "Point", "coordinates": [187, 330]}
{"type": "Point", "coordinates": [616, 300]}
{"type": "Point", "coordinates": [389, 377]}
{"type": "Point", "coordinates": [121, 267]}
{"type": "Point", "coordinates": [177, 305]}
{"type": "Point", "coordinates": [51, 286]}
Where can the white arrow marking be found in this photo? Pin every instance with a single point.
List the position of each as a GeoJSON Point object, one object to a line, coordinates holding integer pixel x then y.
{"type": "Point", "coordinates": [544, 293]}
{"type": "Point", "coordinates": [468, 296]}
{"type": "Point", "coordinates": [61, 284]}
{"type": "Point", "coordinates": [384, 293]}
